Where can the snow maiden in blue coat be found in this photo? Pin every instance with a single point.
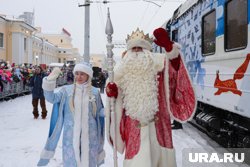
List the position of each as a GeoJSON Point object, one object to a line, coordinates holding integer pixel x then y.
{"type": "Point", "coordinates": [78, 110]}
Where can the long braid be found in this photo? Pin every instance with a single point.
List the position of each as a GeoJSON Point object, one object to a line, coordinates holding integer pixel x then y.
{"type": "Point", "coordinates": [74, 91]}
{"type": "Point", "coordinates": [91, 97]}
{"type": "Point", "coordinates": [89, 88]}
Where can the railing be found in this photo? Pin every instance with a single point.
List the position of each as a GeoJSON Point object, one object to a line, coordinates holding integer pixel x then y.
{"type": "Point", "coordinates": [14, 89]}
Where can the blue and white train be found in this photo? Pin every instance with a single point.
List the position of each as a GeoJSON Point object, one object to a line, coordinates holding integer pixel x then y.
{"type": "Point", "coordinates": [214, 35]}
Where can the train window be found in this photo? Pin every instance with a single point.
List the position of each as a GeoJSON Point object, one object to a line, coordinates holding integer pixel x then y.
{"type": "Point", "coordinates": [175, 35]}
{"type": "Point", "coordinates": [236, 25]}
{"type": "Point", "coordinates": [208, 33]}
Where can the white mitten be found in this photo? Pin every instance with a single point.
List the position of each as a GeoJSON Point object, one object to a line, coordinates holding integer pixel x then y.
{"type": "Point", "coordinates": [54, 74]}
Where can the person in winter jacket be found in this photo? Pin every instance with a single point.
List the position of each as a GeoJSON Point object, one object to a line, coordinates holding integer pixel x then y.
{"type": "Point", "coordinates": [78, 110]}
{"type": "Point", "coordinates": [37, 92]}
{"type": "Point", "coordinates": [102, 81]}
{"type": "Point", "coordinates": [70, 76]}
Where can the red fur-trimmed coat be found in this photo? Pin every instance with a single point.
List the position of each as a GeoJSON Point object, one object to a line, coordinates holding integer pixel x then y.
{"type": "Point", "coordinates": [176, 98]}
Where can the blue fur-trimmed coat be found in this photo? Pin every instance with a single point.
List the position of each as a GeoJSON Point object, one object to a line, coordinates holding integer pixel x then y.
{"type": "Point", "coordinates": [62, 118]}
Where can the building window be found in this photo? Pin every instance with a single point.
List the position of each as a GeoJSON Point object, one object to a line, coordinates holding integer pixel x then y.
{"type": "Point", "coordinates": [25, 43]}
{"type": "Point", "coordinates": [208, 33]}
{"type": "Point", "coordinates": [1, 40]}
{"type": "Point", "coordinates": [64, 51]}
{"type": "Point", "coordinates": [236, 25]}
{"type": "Point", "coordinates": [59, 60]}
{"type": "Point", "coordinates": [61, 41]}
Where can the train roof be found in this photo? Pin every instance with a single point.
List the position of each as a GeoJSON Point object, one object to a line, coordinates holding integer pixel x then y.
{"type": "Point", "coordinates": [184, 7]}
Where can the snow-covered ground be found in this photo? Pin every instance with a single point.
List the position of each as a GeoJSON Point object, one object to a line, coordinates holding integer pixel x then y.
{"type": "Point", "coordinates": [22, 138]}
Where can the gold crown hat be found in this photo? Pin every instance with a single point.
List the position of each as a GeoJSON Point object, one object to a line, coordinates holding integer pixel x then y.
{"type": "Point", "coordinates": [138, 39]}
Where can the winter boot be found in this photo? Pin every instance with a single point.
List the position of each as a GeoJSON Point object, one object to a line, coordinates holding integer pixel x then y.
{"type": "Point", "coordinates": [44, 114]}
{"type": "Point", "coordinates": [35, 109]}
{"type": "Point", "coordinates": [35, 113]}
{"type": "Point", "coordinates": [43, 106]}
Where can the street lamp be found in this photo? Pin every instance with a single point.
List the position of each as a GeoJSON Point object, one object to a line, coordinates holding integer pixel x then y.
{"type": "Point", "coordinates": [37, 59]}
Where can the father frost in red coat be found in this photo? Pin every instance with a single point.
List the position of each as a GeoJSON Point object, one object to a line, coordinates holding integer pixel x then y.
{"type": "Point", "coordinates": [149, 88]}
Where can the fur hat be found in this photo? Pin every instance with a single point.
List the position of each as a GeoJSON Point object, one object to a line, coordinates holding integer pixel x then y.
{"type": "Point", "coordinates": [138, 39]}
{"type": "Point", "coordinates": [84, 67]}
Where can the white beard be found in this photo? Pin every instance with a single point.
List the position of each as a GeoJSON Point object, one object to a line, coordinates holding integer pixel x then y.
{"type": "Point", "coordinates": [138, 83]}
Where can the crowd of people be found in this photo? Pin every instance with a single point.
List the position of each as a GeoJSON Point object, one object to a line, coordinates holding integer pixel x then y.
{"type": "Point", "coordinates": [14, 73]}
{"type": "Point", "coordinates": [11, 73]}
{"type": "Point", "coordinates": [28, 78]}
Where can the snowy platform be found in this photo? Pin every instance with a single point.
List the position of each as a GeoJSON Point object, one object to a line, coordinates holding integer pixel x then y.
{"type": "Point", "coordinates": [22, 138]}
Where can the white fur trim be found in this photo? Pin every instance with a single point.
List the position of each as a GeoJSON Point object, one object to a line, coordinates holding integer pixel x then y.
{"type": "Point", "coordinates": [81, 126]}
{"type": "Point", "coordinates": [54, 74]}
{"type": "Point", "coordinates": [48, 85]}
{"type": "Point", "coordinates": [174, 52]}
{"type": "Point", "coordinates": [101, 157]}
{"type": "Point", "coordinates": [83, 68]}
{"type": "Point", "coordinates": [167, 90]}
{"type": "Point", "coordinates": [158, 59]}
{"type": "Point", "coordinates": [118, 111]}
{"type": "Point", "coordinates": [85, 129]}
{"type": "Point", "coordinates": [45, 154]}
{"type": "Point", "coordinates": [139, 43]}
{"type": "Point", "coordinates": [77, 123]}
{"type": "Point", "coordinates": [110, 126]}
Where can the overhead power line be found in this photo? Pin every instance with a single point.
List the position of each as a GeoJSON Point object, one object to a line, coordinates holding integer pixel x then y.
{"type": "Point", "coordinates": [150, 1]}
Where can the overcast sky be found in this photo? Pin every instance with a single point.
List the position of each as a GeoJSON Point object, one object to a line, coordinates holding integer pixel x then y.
{"type": "Point", "coordinates": [126, 16]}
